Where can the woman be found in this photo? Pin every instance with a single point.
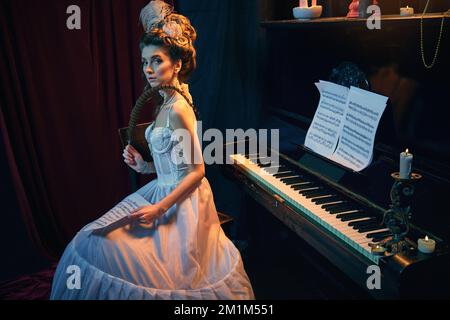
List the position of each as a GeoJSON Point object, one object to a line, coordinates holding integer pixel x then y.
{"type": "Point", "coordinates": [175, 247]}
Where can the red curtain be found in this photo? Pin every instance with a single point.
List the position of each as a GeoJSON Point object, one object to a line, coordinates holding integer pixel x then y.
{"type": "Point", "coordinates": [63, 95]}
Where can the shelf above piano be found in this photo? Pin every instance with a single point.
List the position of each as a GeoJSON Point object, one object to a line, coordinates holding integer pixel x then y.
{"type": "Point", "coordinates": [343, 21]}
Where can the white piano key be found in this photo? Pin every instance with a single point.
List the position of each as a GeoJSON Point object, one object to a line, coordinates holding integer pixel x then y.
{"type": "Point", "coordinates": [339, 228]}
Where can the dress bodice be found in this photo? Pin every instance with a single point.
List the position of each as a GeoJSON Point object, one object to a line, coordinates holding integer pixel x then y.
{"type": "Point", "coordinates": [167, 152]}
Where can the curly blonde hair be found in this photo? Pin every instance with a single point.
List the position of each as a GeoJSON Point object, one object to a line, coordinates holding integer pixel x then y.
{"type": "Point", "coordinates": [175, 33]}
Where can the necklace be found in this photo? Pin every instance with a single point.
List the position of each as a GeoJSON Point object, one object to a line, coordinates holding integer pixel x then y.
{"type": "Point", "coordinates": [422, 50]}
{"type": "Point", "coordinates": [168, 100]}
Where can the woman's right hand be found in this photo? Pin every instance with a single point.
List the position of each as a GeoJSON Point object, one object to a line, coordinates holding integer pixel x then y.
{"type": "Point", "coordinates": [134, 159]}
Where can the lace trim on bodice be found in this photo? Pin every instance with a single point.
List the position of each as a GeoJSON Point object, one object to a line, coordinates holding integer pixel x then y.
{"type": "Point", "coordinates": [159, 144]}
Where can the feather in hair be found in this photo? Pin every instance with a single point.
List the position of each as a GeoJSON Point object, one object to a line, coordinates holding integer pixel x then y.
{"type": "Point", "coordinates": [153, 13]}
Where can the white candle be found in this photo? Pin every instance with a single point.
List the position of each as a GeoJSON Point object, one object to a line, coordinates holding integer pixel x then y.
{"type": "Point", "coordinates": [378, 250]}
{"type": "Point", "coordinates": [303, 4]}
{"type": "Point", "coordinates": [408, 11]}
{"type": "Point", "coordinates": [426, 245]}
{"type": "Point", "coordinates": [406, 159]}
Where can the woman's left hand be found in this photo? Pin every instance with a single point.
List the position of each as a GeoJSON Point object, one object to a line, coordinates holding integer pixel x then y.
{"type": "Point", "coordinates": [146, 214]}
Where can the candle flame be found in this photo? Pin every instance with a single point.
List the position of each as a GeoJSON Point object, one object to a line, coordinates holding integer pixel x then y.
{"type": "Point", "coordinates": [426, 238]}
{"type": "Point", "coordinates": [407, 150]}
{"type": "Point", "coordinates": [407, 7]}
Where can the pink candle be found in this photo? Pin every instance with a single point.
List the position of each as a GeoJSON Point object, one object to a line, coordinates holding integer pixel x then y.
{"type": "Point", "coordinates": [303, 4]}
{"type": "Point", "coordinates": [314, 3]}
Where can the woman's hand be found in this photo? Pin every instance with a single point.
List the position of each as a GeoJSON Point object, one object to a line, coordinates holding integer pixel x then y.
{"type": "Point", "coordinates": [134, 159]}
{"type": "Point", "coordinates": [147, 214]}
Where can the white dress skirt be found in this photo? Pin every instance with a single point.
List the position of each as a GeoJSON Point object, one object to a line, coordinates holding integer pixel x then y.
{"type": "Point", "coordinates": [183, 255]}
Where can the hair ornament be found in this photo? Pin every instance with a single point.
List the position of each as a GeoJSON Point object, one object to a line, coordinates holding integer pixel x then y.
{"type": "Point", "coordinates": [154, 13]}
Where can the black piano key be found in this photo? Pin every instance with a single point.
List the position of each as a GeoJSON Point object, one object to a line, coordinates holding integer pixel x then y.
{"type": "Point", "coordinates": [290, 181]}
{"type": "Point", "coordinates": [378, 234]}
{"type": "Point", "coordinates": [306, 191]}
{"type": "Point", "coordinates": [328, 199]}
{"type": "Point", "coordinates": [331, 205]}
{"type": "Point", "coordinates": [373, 227]}
{"type": "Point", "coordinates": [314, 193]}
{"type": "Point", "coordinates": [352, 216]}
{"type": "Point", "coordinates": [304, 186]}
{"type": "Point", "coordinates": [340, 207]}
{"type": "Point", "coordinates": [292, 176]}
{"type": "Point", "coordinates": [317, 194]}
{"type": "Point", "coordinates": [355, 217]}
{"type": "Point", "coordinates": [283, 174]}
{"type": "Point", "coordinates": [357, 224]}
{"type": "Point", "coordinates": [321, 195]}
{"type": "Point", "coordinates": [378, 239]}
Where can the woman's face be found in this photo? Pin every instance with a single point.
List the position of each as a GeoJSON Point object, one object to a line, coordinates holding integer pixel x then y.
{"type": "Point", "coordinates": [158, 67]}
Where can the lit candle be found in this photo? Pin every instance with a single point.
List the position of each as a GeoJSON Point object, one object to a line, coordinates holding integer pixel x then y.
{"type": "Point", "coordinates": [378, 250]}
{"type": "Point", "coordinates": [405, 164]}
{"type": "Point", "coordinates": [426, 245]}
{"type": "Point", "coordinates": [405, 12]}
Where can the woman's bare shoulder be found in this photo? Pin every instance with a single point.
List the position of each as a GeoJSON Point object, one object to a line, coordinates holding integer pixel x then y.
{"type": "Point", "coordinates": [181, 113]}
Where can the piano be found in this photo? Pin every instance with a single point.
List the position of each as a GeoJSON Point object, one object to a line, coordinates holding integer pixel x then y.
{"type": "Point", "coordinates": [327, 207]}
{"type": "Point", "coordinates": [336, 211]}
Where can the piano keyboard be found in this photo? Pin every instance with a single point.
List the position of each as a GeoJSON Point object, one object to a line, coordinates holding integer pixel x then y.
{"type": "Point", "coordinates": [338, 214]}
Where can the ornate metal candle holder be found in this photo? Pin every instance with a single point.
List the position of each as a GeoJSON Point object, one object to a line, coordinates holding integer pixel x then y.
{"type": "Point", "coordinates": [398, 216]}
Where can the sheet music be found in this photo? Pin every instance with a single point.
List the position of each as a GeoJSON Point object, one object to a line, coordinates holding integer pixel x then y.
{"type": "Point", "coordinates": [119, 214]}
{"type": "Point", "coordinates": [323, 134]}
{"type": "Point", "coordinates": [357, 136]}
{"type": "Point", "coordinates": [345, 124]}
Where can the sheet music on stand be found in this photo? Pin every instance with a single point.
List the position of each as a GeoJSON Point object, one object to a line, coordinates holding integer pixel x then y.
{"type": "Point", "coordinates": [118, 215]}
{"type": "Point", "coordinates": [345, 124]}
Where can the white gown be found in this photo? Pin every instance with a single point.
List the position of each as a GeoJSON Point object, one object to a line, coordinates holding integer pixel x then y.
{"type": "Point", "coordinates": [183, 255]}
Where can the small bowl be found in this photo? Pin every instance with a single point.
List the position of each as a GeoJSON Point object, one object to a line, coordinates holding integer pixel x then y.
{"type": "Point", "coordinates": [307, 13]}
